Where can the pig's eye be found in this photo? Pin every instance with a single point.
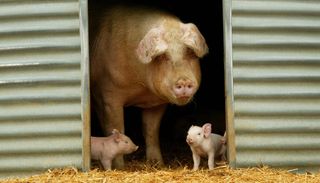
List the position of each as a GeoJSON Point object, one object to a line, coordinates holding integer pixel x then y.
{"type": "Point", "coordinates": [126, 142]}
{"type": "Point", "coordinates": [161, 57]}
{"type": "Point", "coordinates": [191, 54]}
{"type": "Point", "coordinates": [199, 133]}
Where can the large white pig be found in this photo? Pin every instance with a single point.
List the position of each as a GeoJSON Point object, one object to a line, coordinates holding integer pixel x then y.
{"type": "Point", "coordinates": [146, 58]}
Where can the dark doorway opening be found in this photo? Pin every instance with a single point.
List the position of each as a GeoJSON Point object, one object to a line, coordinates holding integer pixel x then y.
{"type": "Point", "coordinates": [209, 102]}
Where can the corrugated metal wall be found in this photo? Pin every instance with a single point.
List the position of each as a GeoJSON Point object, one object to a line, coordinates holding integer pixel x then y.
{"type": "Point", "coordinates": [275, 83]}
{"type": "Point", "coordinates": [40, 86]}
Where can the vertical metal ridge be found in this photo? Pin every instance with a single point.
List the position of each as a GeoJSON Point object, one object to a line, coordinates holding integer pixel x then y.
{"type": "Point", "coordinates": [227, 26]}
{"type": "Point", "coordinates": [85, 85]}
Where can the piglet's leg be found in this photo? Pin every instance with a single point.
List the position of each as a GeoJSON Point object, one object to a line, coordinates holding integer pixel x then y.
{"type": "Point", "coordinates": [196, 161]}
{"type": "Point", "coordinates": [106, 164]}
{"type": "Point", "coordinates": [151, 119]}
{"type": "Point", "coordinates": [211, 161]}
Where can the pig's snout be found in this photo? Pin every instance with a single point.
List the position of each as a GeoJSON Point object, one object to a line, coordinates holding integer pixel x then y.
{"type": "Point", "coordinates": [184, 88]}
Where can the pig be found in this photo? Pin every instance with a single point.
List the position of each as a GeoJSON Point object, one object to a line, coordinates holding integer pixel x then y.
{"type": "Point", "coordinates": [146, 58]}
{"type": "Point", "coordinates": [105, 149]}
{"type": "Point", "coordinates": [203, 143]}
{"type": "Point", "coordinates": [196, 116]}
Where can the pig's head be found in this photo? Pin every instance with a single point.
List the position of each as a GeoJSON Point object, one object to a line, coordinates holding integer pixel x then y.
{"type": "Point", "coordinates": [196, 134]}
{"type": "Point", "coordinates": [171, 52]}
{"type": "Point", "coordinates": [124, 143]}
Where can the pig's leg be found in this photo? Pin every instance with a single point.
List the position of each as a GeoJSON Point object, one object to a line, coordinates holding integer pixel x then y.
{"type": "Point", "coordinates": [223, 152]}
{"type": "Point", "coordinates": [196, 161]}
{"type": "Point", "coordinates": [151, 124]}
{"type": "Point", "coordinates": [106, 164]}
{"type": "Point", "coordinates": [112, 117]}
{"type": "Point", "coordinates": [114, 120]}
{"type": "Point", "coordinates": [211, 161]}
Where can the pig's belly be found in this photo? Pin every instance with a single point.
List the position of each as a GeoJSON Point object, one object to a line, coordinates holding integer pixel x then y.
{"type": "Point", "coordinates": [201, 152]}
{"type": "Point", "coordinates": [145, 101]}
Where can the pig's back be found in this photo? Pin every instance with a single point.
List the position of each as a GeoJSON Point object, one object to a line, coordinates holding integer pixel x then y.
{"type": "Point", "coordinates": [130, 24]}
{"type": "Point", "coordinates": [135, 18]}
{"type": "Point", "coordinates": [115, 42]}
{"type": "Point", "coordinates": [97, 146]}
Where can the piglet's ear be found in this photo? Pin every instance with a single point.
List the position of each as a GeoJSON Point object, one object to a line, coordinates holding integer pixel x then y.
{"type": "Point", "coordinates": [194, 39]}
{"type": "Point", "coordinates": [206, 130]}
{"type": "Point", "coordinates": [116, 135]}
{"type": "Point", "coordinates": [151, 45]}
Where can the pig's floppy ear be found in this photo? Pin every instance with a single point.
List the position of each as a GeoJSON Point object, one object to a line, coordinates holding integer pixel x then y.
{"type": "Point", "coordinates": [206, 130]}
{"type": "Point", "coordinates": [151, 45]}
{"type": "Point", "coordinates": [194, 39]}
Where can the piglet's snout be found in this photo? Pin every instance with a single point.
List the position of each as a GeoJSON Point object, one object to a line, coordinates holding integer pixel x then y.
{"type": "Point", "coordinates": [184, 88]}
{"type": "Point", "coordinates": [189, 140]}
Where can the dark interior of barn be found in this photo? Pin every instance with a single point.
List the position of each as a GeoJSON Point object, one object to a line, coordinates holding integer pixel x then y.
{"type": "Point", "coordinates": [208, 104]}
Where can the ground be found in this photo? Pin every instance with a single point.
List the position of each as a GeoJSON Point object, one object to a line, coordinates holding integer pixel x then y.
{"type": "Point", "coordinates": [178, 169]}
{"type": "Point", "coordinates": [143, 173]}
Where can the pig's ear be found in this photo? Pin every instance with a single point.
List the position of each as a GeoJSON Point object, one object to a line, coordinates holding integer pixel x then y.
{"type": "Point", "coordinates": [194, 39]}
{"type": "Point", "coordinates": [114, 131]}
{"type": "Point", "coordinates": [206, 130]}
{"type": "Point", "coordinates": [151, 45]}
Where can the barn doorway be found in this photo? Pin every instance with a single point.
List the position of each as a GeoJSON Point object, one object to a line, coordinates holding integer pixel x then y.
{"type": "Point", "coordinates": [209, 102]}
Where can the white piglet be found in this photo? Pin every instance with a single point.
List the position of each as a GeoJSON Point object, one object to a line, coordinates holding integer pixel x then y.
{"type": "Point", "coordinates": [105, 149]}
{"type": "Point", "coordinates": [203, 143]}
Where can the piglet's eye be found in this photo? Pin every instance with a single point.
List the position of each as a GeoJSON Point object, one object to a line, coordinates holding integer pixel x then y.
{"type": "Point", "coordinates": [199, 133]}
{"type": "Point", "coordinates": [126, 142]}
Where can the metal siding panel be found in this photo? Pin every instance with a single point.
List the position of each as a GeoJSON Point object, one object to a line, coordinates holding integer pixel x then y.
{"type": "Point", "coordinates": [40, 86]}
{"type": "Point", "coordinates": [276, 82]}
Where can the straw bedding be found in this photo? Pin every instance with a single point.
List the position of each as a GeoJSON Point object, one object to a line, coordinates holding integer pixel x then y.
{"type": "Point", "coordinates": [178, 169]}
{"type": "Point", "coordinates": [140, 172]}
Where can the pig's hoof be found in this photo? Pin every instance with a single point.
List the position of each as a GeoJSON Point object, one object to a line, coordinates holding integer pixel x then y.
{"type": "Point", "coordinates": [118, 163]}
{"type": "Point", "coordinates": [118, 166]}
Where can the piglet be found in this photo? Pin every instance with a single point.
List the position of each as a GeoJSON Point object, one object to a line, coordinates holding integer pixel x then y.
{"type": "Point", "coordinates": [105, 149]}
{"type": "Point", "coordinates": [203, 143]}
